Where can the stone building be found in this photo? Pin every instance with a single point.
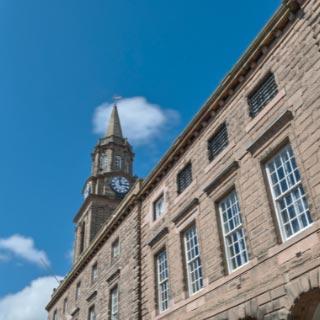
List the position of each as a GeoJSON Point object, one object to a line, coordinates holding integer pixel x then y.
{"type": "Point", "coordinates": [226, 226]}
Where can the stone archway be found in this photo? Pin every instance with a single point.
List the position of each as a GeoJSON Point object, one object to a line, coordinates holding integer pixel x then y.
{"type": "Point", "coordinates": [307, 306]}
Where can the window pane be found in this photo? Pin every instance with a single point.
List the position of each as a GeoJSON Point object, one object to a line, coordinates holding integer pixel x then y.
{"type": "Point", "coordinates": [92, 315]}
{"type": "Point", "coordinates": [116, 249]}
{"type": "Point", "coordinates": [158, 207]}
{"type": "Point", "coordinates": [114, 303]}
{"type": "Point", "coordinates": [235, 242]}
{"type": "Point", "coordinates": [94, 272]}
{"type": "Point", "coordinates": [163, 281]}
{"type": "Point", "coordinates": [288, 194]}
{"type": "Point", "coordinates": [192, 253]}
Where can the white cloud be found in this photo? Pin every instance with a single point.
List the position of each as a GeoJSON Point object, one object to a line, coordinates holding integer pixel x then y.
{"type": "Point", "coordinates": [30, 302]}
{"type": "Point", "coordinates": [24, 248]}
{"type": "Point", "coordinates": [141, 120]}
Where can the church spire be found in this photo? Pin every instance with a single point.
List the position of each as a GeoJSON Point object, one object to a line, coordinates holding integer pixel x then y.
{"type": "Point", "coordinates": [114, 126]}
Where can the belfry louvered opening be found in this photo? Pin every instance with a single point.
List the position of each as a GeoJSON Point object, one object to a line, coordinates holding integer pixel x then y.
{"type": "Point", "coordinates": [184, 178]}
{"type": "Point", "coordinates": [218, 142]}
{"type": "Point", "coordinates": [262, 95]}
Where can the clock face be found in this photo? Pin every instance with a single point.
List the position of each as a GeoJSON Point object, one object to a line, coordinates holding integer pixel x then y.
{"type": "Point", "coordinates": [87, 190]}
{"type": "Point", "coordinates": [120, 184]}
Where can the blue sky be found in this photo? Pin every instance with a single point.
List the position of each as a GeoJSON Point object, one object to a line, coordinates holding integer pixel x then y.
{"type": "Point", "coordinates": [60, 64]}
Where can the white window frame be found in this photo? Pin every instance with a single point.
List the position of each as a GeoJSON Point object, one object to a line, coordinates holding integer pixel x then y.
{"type": "Point", "coordinates": [158, 207]}
{"type": "Point", "coordinates": [163, 281]}
{"type": "Point", "coordinates": [292, 180]}
{"type": "Point", "coordinates": [233, 232]}
{"type": "Point", "coordinates": [193, 259]}
{"type": "Point", "coordinates": [114, 304]}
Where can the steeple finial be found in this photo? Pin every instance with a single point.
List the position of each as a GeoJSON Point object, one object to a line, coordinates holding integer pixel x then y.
{"type": "Point", "coordinates": [114, 126]}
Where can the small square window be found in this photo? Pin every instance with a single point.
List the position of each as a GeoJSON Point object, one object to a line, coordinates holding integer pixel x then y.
{"type": "Point", "coordinates": [184, 178]}
{"type": "Point", "coordinates": [94, 273]}
{"type": "Point", "coordinates": [218, 142]}
{"type": "Point", "coordinates": [262, 95]}
{"type": "Point", "coordinates": [158, 207]}
{"type": "Point", "coordinates": [116, 249]}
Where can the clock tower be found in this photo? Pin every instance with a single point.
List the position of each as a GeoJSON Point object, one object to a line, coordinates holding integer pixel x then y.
{"type": "Point", "coordinates": [111, 178]}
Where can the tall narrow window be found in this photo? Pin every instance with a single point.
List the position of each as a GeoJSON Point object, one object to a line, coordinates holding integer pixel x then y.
{"type": "Point", "coordinates": [262, 95]}
{"type": "Point", "coordinates": [94, 275]}
{"type": "Point", "coordinates": [233, 232]}
{"type": "Point", "coordinates": [115, 248]}
{"type": "Point", "coordinates": [78, 290]}
{"type": "Point", "coordinates": [65, 306]}
{"type": "Point", "coordinates": [114, 306]}
{"type": "Point", "coordinates": [91, 314]}
{"type": "Point", "coordinates": [104, 163]}
{"type": "Point", "coordinates": [117, 162]}
{"type": "Point", "coordinates": [184, 178]}
{"type": "Point", "coordinates": [218, 142]}
{"type": "Point", "coordinates": [193, 260]}
{"type": "Point", "coordinates": [158, 207]}
{"type": "Point", "coordinates": [55, 315]}
{"type": "Point", "coordinates": [163, 281]}
{"type": "Point", "coordinates": [288, 194]}
{"type": "Point", "coordinates": [82, 237]}
{"type": "Point", "coordinates": [126, 166]}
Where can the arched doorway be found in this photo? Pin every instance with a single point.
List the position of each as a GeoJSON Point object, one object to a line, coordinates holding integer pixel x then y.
{"type": "Point", "coordinates": [307, 306]}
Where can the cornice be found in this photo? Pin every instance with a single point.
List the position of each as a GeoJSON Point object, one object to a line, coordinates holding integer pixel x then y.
{"type": "Point", "coordinates": [228, 88]}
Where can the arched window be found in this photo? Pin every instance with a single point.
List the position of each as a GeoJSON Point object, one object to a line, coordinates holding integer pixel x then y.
{"type": "Point", "coordinates": [104, 162]}
{"type": "Point", "coordinates": [127, 168]}
{"type": "Point", "coordinates": [117, 162]}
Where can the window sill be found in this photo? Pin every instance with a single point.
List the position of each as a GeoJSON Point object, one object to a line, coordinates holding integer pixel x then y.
{"type": "Point", "coordinates": [265, 110]}
{"type": "Point", "coordinates": [300, 242]}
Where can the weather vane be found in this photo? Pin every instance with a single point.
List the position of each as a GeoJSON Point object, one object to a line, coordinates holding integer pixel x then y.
{"type": "Point", "coordinates": [116, 98]}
